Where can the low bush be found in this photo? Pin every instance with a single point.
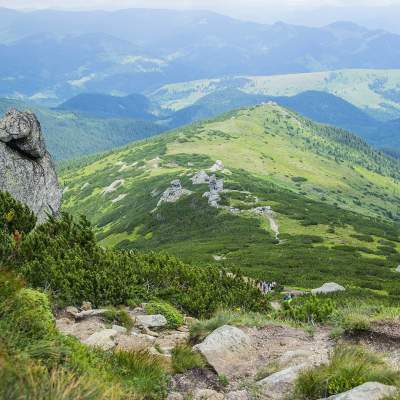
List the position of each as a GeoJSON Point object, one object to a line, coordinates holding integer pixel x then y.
{"type": "Point", "coordinates": [184, 358]}
{"type": "Point", "coordinates": [310, 309]}
{"type": "Point", "coordinates": [173, 316]}
{"type": "Point", "coordinates": [348, 367]}
{"type": "Point", "coordinates": [28, 314]}
{"type": "Point", "coordinates": [118, 317]}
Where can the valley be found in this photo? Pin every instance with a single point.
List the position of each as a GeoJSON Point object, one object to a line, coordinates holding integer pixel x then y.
{"type": "Point", "coordinates": [334, 197]}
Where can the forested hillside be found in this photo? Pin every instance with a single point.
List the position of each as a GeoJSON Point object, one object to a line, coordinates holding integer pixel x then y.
{"type": "Point", "coordinates": [334, 199]}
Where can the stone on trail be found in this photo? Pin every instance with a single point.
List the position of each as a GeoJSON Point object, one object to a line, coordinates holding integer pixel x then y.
{"type": "Point", "coordinates": [151, 321]}
{"type": "Point", "coordinates": [238, 395]}
{"type": "Point", "coordinates": [135, 342]}
{"type": "Point", "coordinates": [328, 288]}
{"type": "Point", "coordinates": [102, 339]}
{"type": "Point", "coordinates": [224, 349]}
{"type": "Point", "coordinates": [278, 385]}
{"type": "Point", "coordinates": [207, 394]}
{"type": "Point", "coordinates": [367, 391]}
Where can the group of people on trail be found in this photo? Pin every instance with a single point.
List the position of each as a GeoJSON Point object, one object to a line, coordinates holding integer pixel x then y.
{"type": "Point", "coordinates": [266, 287]}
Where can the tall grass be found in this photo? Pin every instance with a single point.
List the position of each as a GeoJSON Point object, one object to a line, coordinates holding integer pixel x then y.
{"type": "Point", "coordinates": [348, 367]}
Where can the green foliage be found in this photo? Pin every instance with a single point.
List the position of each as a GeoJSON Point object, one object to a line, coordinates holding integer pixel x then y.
{"type": "Point", "coordinates": [118, 317]}
{"type": "Point", "coordinates": [184, 358]}
{"type": "Point", "coordinates": [28, 314]}
{"type": "Point", "coordinates": [142, 373]}
{"type": "Point", "coordinates": [15, 216]}
{"type": "Point", "coordinates": [310, 309]}
{"type": "Point", "coordinates": [348, 367]}
{"type": "Point", "coordinates": [173, 316]}
{"type": "Point", "coordinates": [62, 256]}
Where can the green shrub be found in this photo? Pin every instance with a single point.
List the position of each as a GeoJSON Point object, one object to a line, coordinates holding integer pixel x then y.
{"type": "Point", "coordinates": [28, 314]}
{"type": "Point", "coordinates": [118, 317]}
{"type": "Point", "coordinates": [173, 316]}
{"type": "Point", "coordinates": [310, 309]}
{"type": "Point", "coordinates": [348, 367]}
{"type": "Point", "coordinates": [14, 216]}
{"type": "Point", "coordinates": [184, 358]}
{"type": "Point", "coordinates": [143, 373]}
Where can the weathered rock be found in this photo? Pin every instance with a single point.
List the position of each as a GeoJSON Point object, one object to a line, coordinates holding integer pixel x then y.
{"type": "Point", "coordinates": [216, 186]}
{"type": "Point", "coordinates": [27, 170]}
{"type": "Point", "coordinates": [175, 396]}
{"type": "Point", "coordinates": [86, 306]}
{"type": "Point", "coordinates": [173, 193]}
{"type": "Point", "coordinates": [134, 342]}
{"type": "Point", "coordinates": [237, 395]}
{"type": "Point", "coordinates": [279, 385]}
{"type": "Point", "coordinates": [218, 166]}
{"type": "Point", "coordinates": [151, 321]}
{"type": "Point", "coordinates": [200, 178]}
{"type": "Point", "coordinates": [224, 348]}
{"type": "Point", "coordinates": [72, 311]}
{"type": "Point", "coordinates": [120, 329]}
{"type": "Point", "coordinates": [81, 330]}
{"type": "Point", "coordinates": [102, 339]}
{"type": "Point", "coordinates": [89, 313]}
{"type": "Point", "coordinates": [207, 394]}
{"type": "Point", "coordinates": [367, 391]}
{"type": "Point", "coordinates": [328, 288]}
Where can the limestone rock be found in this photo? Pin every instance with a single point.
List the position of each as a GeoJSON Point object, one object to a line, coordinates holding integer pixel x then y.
{"type": "Point", "coordinates": [328, 288]}
{"type": "Point", "coordinates": [27, 170]}
{"type": "Point", "coordinates": [102, 339]}
{"type": "Point", "coordinates": [224, 348]}
{"type": "Point", "coordinates": [278, 385]}
{"type": "Point", "coordinates": [173, 193]}
{"type": "Point", "coordinates": [207, 394]}
{"type": "Point", "coordinates": [151, 321]}
{"type": "Point", "coordinates": [200, 178]}
{"type": "Point", "coordinates": [367, 391]}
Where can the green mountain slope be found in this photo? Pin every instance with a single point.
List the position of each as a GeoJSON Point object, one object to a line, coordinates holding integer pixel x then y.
{"type": "Point", "coordinates": [69, 135]}
{"type": "Point", "coordinates": [374, 91]}
{"type": "Point", "coordinates": [334, 199]}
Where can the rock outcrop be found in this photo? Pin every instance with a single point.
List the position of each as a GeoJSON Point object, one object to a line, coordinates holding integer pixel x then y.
{"type": "Point", "coordinates": [216, 187]}
{"type": "Point", "coordinates": [27, 169]}
{"type": "Point", "coordinates": [173, 193]}
{"type": "Point", "coordinates": [328, 288]}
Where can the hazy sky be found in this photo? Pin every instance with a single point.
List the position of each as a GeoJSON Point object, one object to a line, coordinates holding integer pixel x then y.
{"type": "Point", "coordinates": [257, 10]}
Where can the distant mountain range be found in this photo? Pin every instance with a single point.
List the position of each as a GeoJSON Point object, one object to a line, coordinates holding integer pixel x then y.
{"type": "Point", "coordinates": [89, 123]}
{"type": "Point", "coordinates": [71, 135]}
{"type": "Point", "coordinates": [50, 56]}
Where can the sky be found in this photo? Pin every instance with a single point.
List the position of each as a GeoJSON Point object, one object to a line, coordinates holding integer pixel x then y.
{"type": "Point", "coordinates": [303, 11]}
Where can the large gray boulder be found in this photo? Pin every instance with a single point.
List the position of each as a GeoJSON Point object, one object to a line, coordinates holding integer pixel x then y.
{"type": "Point", "coordinates": [280, 384]}
{"type": "Point", "coordinates": [27, 170]}
{"type": "Point", "coordinates": [328, 288]}
{"type": "Point", "coordinates": [224, 349]}
{"type": "Point", "coordinates": [367, 391]}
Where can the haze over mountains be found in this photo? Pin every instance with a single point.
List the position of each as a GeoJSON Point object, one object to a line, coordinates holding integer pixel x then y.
{"type": "Point", "coordinates": [53, 55]}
